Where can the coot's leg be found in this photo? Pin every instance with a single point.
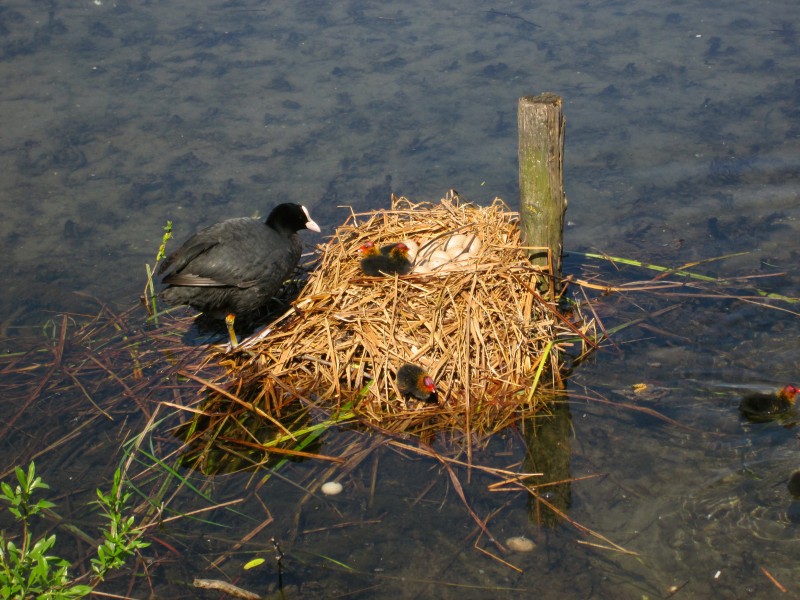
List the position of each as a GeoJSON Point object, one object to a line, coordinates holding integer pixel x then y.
{"type": "Point", "coordinates": [229, 319]}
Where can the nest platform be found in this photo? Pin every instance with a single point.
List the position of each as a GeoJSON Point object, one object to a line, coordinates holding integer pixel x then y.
{"type": "Point", "coordinates": [494, 346]}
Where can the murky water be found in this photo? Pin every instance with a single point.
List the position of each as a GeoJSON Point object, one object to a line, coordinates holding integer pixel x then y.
{"type": "Point", "coordinates": [682, 145]}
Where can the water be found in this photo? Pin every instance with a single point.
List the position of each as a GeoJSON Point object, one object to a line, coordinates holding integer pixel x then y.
{"type": "Point", "coordinates": [682, 145]}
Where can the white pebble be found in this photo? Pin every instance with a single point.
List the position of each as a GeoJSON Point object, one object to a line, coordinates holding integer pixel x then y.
{"type": "Point", "coordinates": [520, 543]}
{"type": "Point", "coordinates": [331, 488]}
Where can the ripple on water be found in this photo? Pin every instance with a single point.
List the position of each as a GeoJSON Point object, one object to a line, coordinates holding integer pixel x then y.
{"type": "Point", "coordinates": [751, 502]}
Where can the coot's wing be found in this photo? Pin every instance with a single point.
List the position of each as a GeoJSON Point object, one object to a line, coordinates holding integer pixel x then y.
{"type": "Point", "coordinates": [197, 281]}
{"type": "Point", "coordinates": [254, 254]}
{"type": "Point", "coordinates": [196, 245]}
{"type": "Point", "coordinates": [235, 253]}
{"type": "Point", "coordinates": [201, 260]}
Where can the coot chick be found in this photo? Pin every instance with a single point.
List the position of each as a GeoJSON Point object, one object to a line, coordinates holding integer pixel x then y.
{"type": "Point", "coordinates": [413, 381]}
{"type": "Point", "coordinates": [234, 267]}
{"type": "Point", "coordinates": [368, 249]}
{"type": "Point", "coordinates": [765, 406]}
{"type": "Point", "coordinates": [391, 259]}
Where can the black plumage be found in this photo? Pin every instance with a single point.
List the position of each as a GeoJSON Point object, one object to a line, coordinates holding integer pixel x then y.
{"type": "Point", "coordinates": [760, 406]}
{"type": "Point", "coordinates": [415, 382]}
{"type": "Point", "coordinates": [391, 259]}
{"type": "Point", "coordinates": [236, 266]}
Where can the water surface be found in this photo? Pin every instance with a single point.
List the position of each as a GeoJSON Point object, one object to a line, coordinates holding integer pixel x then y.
{"type": "Point", "coordinates": [682, 145]}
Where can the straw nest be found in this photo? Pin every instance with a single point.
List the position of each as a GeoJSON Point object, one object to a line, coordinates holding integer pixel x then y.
{"type": "Point", "coordinates": [477, 325]}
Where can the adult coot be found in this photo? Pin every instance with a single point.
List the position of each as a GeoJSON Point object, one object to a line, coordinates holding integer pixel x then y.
{"type": "Point", "coordinates": [233, 268]}
{"type": "Point", "coordinates": [414, 381]}
{"type": "Point", "coordinates": [760, 407]}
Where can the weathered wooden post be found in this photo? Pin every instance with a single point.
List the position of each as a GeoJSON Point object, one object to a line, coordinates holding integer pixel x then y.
{"type": "Point", "coordinates": [541, 178]}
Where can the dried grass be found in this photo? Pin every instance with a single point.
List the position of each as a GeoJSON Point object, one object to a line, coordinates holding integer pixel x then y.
{"type": "Point", "coordinates": [493, 344]}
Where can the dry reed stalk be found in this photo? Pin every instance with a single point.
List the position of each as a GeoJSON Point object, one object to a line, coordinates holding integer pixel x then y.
{"type": "Point", "coordinates": [482, 331]}
{"type": "Point", "coordinates": [90, 366]}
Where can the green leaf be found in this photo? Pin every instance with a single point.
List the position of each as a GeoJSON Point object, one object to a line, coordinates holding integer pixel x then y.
{"type": "Point", "coordinates": [79, 591]}
{"type": "Point", "coordinates": [23, 480]}
{"type": "Point", "coordinates": [43, 504]}
{"type": "Point", "coordinates": [253, 563]}
{"type": "Point", "coordinates": [7, 490]}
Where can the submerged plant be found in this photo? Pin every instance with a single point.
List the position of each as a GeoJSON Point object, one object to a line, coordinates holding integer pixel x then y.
{"type": "Point", "coordinates": [28, 570]}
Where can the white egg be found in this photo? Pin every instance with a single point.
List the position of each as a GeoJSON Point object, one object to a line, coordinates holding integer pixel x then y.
{"type": "Point", "coordinates": [426, 248]}
{"type": "Point", "coordinates": [422, 267]}
{"type": "Point", "coordinates": [331, 488]}
{"type": "Point", "coordinates": [438, 260]}
{"type": "Point", "coordinates": [473, 244]}
{"type": "Point", "coordinates": [413, 248]}
{"type": "Point", "coordinates": [455, 251]}
{"type": "Point", "coordinates": [520, 543]}
{"type": "Point", "coordinates": [423, 243]}
{"type": "Point", "coordinates": [454, 241]}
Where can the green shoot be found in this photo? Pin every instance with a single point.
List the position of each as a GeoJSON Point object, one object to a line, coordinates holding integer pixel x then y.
{"type": "Point", "coordinates": [27, 567]}
{"type": "Point", "coordinates": [150, 292]}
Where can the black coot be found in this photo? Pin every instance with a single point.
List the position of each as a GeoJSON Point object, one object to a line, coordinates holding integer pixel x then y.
{"type": "Point", "coordinates": [234, 267]}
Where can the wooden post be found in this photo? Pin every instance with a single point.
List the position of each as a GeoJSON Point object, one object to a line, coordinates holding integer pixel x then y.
{"type": "Point", "coordinates": [541, 177]}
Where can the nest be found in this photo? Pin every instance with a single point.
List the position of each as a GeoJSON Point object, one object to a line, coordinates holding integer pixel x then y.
{"type": "Point", "coordinates": [479, 327]}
